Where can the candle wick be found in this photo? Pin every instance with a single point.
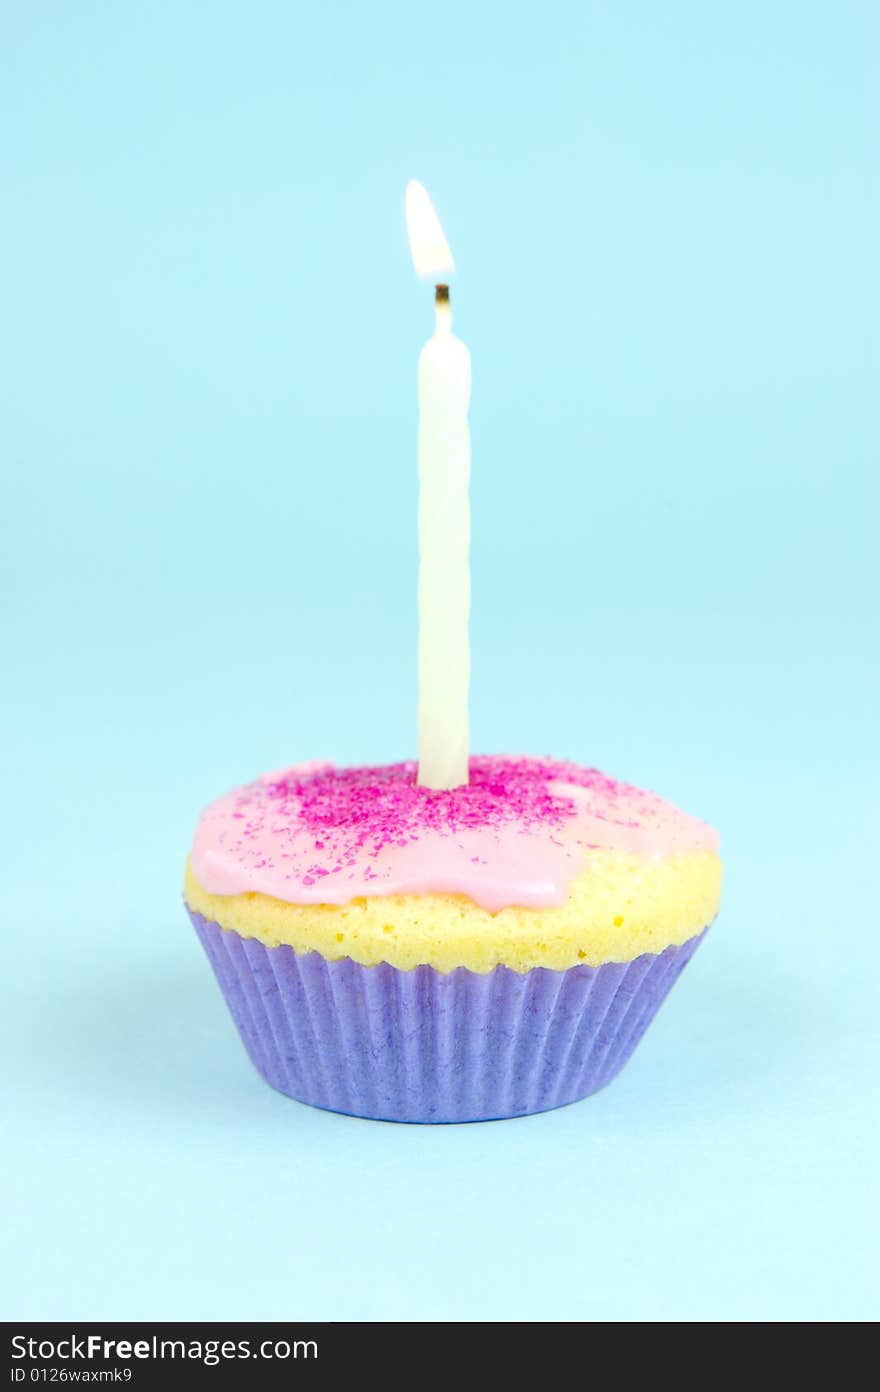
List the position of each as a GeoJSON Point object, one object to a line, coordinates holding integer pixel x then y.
{"type": "Point", "coordinates": [442, 309]}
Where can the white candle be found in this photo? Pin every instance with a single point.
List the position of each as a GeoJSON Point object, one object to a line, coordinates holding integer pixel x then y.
{"type": "Point", "coordinates": [444, 516]}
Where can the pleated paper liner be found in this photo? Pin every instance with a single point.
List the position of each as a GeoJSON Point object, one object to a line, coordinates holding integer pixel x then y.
{"type": "Point", "coordinates": [429, 1046]}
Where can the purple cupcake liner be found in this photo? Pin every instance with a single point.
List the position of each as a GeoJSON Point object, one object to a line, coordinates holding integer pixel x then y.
{"type": "Point", "coordinates": [429, 1046]}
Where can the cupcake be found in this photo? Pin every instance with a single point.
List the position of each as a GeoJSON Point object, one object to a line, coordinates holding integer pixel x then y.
{"type": "Point", "coordinates": [405, 954]}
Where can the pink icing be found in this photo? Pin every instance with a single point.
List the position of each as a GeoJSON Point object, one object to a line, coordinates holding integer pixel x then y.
{"type": "Point", "coordinates": [517, 833]}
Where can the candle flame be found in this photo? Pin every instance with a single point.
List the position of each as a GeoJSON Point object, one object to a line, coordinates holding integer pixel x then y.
{"type": "Point", "coordinates": [427, 240]}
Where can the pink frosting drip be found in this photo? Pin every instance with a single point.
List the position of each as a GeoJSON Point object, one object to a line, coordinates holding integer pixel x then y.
{"type": "Point", "coordinates": [518, 833]}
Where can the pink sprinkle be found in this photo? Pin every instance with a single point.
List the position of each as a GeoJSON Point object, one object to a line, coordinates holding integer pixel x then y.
{"type": "Point", "coordinates": [344, 808]}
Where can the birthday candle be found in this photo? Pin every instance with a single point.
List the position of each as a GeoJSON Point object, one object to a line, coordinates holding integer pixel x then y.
{"type": "Point", "coordinates": [444, 515]}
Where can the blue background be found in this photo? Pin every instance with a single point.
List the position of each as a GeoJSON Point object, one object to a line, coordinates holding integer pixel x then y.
{"type": "Point", "coordinates": [665, 219]}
